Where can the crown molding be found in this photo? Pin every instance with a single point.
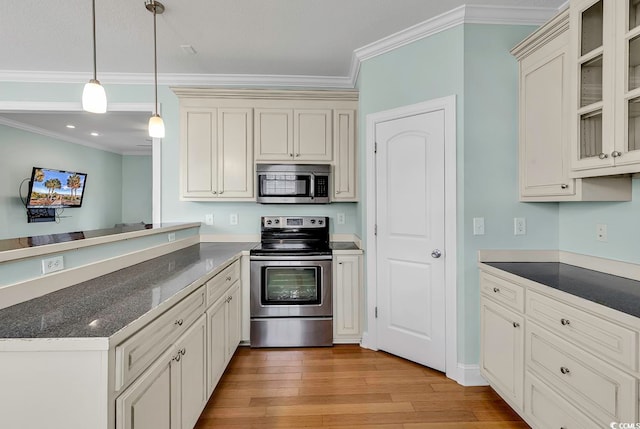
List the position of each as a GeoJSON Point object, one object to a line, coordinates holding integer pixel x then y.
{"type": "Point", "coordinates": [265, 94]}
{"type": "Point", "coordinates": [465, 14]}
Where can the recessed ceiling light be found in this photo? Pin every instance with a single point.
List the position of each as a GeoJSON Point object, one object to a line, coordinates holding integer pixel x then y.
{"type": "Point", "coordinates": [95, 134]}
{"type": "Point", "coordinates": [70, 126]}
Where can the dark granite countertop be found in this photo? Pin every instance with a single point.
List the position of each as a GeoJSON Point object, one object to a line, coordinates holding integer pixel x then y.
{"type": "Point", "coordinates": [615, 292]}
{"type": "Point", "coordinates": [344, 245]}
{"type": "Point", "coordinates": [102, 306]}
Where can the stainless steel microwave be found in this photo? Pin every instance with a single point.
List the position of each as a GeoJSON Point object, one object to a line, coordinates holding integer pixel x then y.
{"type": "Point", "coordinates": [293, 183]}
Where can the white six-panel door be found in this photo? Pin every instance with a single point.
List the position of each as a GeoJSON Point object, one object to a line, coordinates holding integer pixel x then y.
{"type": "Point", "coordinates": [410, 174]}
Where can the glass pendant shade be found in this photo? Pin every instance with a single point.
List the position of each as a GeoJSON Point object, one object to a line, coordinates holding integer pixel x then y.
{"type": "Point", "coordinates": [156, 126]}
{"type": "Point", "coordinates": [94, 98]}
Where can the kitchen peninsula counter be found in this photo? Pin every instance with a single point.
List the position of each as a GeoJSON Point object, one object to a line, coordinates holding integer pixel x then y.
{"type": "Point", "coordinates": [128, 298]}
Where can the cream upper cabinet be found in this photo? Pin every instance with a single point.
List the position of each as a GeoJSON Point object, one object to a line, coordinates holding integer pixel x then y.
{"type": "Point", "coordinates": [344, 150]}
{"type": "Point", "coordinates": [217, 153]}
{"type": "Point", "coordinates": [293, 135]}
{"type": "Point", "coordinates": [274, 134]}
{"type": "Point", "coordinates": [544, 122]}
{"type": "Point", "coordinates": [605, 117]}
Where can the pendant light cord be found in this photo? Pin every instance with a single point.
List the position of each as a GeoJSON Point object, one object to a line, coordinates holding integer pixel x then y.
{"type": "Point", "coordinates": [155, 57]}
{"type": "Point", "coordinates": [95, 65]}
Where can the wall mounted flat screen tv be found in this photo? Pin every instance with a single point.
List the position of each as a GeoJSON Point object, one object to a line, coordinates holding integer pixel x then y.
{"type": "Point", "coordinates": [55, 188]}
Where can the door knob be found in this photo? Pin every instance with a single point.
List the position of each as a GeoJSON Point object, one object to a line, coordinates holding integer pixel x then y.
{"type": "Point", "coordinates": [436, 253]}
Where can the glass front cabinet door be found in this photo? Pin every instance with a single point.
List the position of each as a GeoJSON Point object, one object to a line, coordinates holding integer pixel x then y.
{"type": "Point", "coordinates": [605, 42]}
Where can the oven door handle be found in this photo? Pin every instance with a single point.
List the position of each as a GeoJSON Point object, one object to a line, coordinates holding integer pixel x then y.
{"type": "Point", "coordinates": [291, 258]}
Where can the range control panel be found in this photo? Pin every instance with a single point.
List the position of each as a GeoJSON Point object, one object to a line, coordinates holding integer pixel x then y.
{"type": "Point", "coordinates": [294, 222]}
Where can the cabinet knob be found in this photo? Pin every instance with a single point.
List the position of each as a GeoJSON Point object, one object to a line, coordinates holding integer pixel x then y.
{"type": "Point", "coordinates": [297, 154]}
{"type": "Point", "coordinates": [179, 322]}
{"type": "Point", "coordinates": [564, 186]}
{"type": "Point", "coordinates": [177, 357]}
{"type": "Point", "coordinates": [339, 263]}
{"type": "Point", "coordinates": [603, 155]}
{"type": "Point", "coordinates": [183, 351]}
{"type": "Point", "coordinates": [291, 155]}
{"type": "Point", "coordinates": [564, 370]}
{"type": "Point", "coordinates": [230, 299]}
{"type": "Point", "coordinates": [565, 322]}
{"type": "Point", "coordinates": [616, 154]}
{"type": "Point", "coordinates": [229, 278]}
{"type": "Point", "coordinates": [214, 192]}
{"type": "Point", "coordinates": [516, 325]}
{"type": "Point", "coordinates": [496, 290]}
{"type": "Point", "coordinates": [221, 192]}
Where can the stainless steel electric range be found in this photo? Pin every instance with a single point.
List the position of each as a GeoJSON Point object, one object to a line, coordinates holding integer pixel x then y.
{"type": "Point", "coordinates": [291, 303]}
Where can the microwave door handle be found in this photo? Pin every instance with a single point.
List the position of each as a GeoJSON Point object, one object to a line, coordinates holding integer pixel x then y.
{"type": "Point", "coordinates": [312, 185]}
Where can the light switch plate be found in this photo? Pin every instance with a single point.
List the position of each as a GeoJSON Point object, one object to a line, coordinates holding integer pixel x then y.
{"type": "Point", "coordinates": [478, 226]}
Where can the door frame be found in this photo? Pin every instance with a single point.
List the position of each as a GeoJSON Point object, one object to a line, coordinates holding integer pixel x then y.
{"type": "Point", "coordinates": [65, 106]}
{"type": "Point", "coordinates": [448, 105]}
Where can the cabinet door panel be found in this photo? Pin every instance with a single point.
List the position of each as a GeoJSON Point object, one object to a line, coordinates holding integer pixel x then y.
{"type": "Point", "coordinates": [235, 153]}
{"type": "Point", "coordinates": [217, 341]}
{"type": "Point", "coordinates": [274, 134]}
{"type": "Point", "coordinates": [147, 402]}
{"type": "Point", "coordinates": [312, 135]}
{"type": "Point", "coordinates": [344, 143]}
{"type": "Point", "coordinates": [502, 350]}
{"type": "Point", "coordinates": [199, 175]}
{"type": "Point", "coordinates": [544, 139]}
{"type": "Point", "coordinates": [233, 320]}
{"type": "Point", "coordinates": [193, 388]}
{"type": "Point", "coordinates": [347, 296]}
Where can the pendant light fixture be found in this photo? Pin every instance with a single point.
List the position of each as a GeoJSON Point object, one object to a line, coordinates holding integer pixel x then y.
{"type": "Point", "coordinates": [94, 99]}
{"type": "Point", "coordinates": [156, 124]}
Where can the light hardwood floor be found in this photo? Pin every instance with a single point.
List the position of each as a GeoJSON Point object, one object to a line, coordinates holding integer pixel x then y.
{"type": "Point", "coordinates": [346, 387]}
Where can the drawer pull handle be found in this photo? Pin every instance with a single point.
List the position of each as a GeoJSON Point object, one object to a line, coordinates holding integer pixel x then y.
{"type": "Point", "coordinates": [565, 322]}
{"type": "Point", "coordinates": [564, 370]}
{"type": "Point", "coordinates": [496, 290]}
{"type": "Point", "coordinates": [564, 186]}
{"type": "Point", "coordinates": [179, 322]}
{"type": "Point", "coordinates": [516, 324]}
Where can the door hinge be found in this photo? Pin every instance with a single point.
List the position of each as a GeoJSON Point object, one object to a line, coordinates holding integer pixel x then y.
{"type": "Point", "coordinates": [376, 311]}
{"type": "Point", "coordinates": [375, 229]}
{"type": "Point", "coordinates": [375, 147]}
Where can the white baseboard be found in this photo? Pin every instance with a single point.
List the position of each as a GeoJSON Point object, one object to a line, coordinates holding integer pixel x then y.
{"type": "Point", "coordinates": [366, 342]}
{"type": "Point", "coordinates": [469, 375]}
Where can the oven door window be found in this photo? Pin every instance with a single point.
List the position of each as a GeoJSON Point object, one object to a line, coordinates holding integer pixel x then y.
{"type": "Point", "coordinates": [291, 286]}
{"type": "Point", "coordinates": [284, 185]}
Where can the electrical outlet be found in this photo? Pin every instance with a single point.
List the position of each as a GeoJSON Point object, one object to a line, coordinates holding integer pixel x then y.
{"type": "Point", "coordinates": [171, 237]}
{"type": "Point", "coordinates": [478, 226]}
{"type": "Point", "coordinates": [341, 218]}
{"type": "Point", "coordinates": [51, 265]}
{"type": "Point", "coordinates": [208, 219]}
{"type": "Point", "coordinates": [233, 219]}
{"type": "Point", "coordinates": [519, 226]}
{"type": "Point", "coordinates": [601, 232]}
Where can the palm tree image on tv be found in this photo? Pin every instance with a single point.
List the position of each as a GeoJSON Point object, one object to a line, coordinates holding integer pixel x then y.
{"type": "Point", "coordinates": [53, 188]}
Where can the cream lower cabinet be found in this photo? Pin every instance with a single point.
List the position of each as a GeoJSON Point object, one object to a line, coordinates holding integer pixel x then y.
{"type": "Point", "coordinates": [545, 121]}
{"type": "Point", "coordinates": [216, 153]}
{"type": "Point", "coordinates": [223, 319]}
{"type": "Point", "coordinates": [173, 391]}
{"type": "Point", "coordinates": [347, 298]}
{"type": "Point", "coordinates": [502, 350]}
{"type": "Point", "coordinates": [568, 364]}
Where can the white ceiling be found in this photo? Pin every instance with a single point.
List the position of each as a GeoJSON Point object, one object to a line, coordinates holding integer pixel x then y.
{"type": "Point", "coordinates": [231, 37]}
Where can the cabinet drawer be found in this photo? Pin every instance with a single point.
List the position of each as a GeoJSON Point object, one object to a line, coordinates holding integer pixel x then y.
{"type": "Point", "coordinates": [544, 408]}
{"type": "Point", "coordinates": [507, 293]}
{"type": "Point", "coordinates": [134, 355]}
{"type": "Point", "coordinates": [595, 334]}
{"type": "Point", "coordinates": [217, 286]}
{"type": "Point", "coordinates": [593, 386]}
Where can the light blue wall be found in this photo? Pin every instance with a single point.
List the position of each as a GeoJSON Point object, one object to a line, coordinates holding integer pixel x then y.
{"type": "Point", "coordinates": [473, 62]}
{"type": "Point", "coordinates": [136, 188]}
{"type": "Point", "coordinates": [22, 150]}
{"type": "Point", "coordinates": [578, 228]}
